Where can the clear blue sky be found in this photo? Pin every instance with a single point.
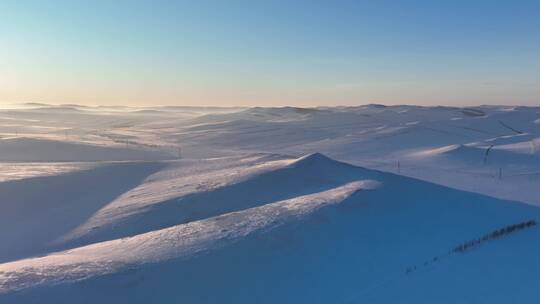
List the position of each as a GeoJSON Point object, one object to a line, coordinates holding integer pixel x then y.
{"type": "Point", "coordinates": [270, 52]}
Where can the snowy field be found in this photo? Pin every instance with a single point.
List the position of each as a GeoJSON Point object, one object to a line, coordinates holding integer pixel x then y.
{"type": "Point", "coordinates": [367, 204]}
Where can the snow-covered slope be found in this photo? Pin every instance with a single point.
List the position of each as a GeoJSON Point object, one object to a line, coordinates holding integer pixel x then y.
{"type": "Point", "coordinates": [21, 170]}
{"type": "Point", "coordinates": [38, 211]}
{"type": "Point", "coordinates": [235, 205]}
{"type": "Point", "coordinates": [33, 150]}
{"type": "Point", "coordinates": [379, 137]}
{"type": "Point", "coordinates": [339, 233]}
{"type": "Point", "coordinates": [501, 156]}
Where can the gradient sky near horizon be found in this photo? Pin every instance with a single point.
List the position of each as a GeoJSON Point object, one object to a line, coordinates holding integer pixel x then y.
{"type": "Point", "coordinates": [270, 53]}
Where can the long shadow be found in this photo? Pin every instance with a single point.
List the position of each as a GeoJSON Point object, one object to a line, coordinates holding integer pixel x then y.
{"type": "Point", "coordinates": [369, 237]}
{"type": "Point", "coordinates": [36, 211]}
{"type": "Point", "coordinates": [307, 177]}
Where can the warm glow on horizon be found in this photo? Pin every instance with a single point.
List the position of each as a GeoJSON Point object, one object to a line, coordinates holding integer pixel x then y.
{"type": "Point", "coordinates": [301, 53]}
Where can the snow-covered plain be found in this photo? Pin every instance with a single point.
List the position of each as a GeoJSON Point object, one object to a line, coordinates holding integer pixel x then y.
{"type": "Point", "coordinates": [240, 205]}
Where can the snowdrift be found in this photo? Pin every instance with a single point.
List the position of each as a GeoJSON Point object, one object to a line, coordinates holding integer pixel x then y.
{"type": "Point", "coordinates": [38, 211]}
{"type": "Point", "coordinates": [480, 155]}
{"type": "Point", "coordinates": [356, 235]}
{"type": "Point", "coordinates": [35, 150]}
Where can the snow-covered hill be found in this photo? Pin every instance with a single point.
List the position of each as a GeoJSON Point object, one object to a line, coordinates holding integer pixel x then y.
{"type": "Point", "coordinates": [367, 204]}
{"type": "Point", "coordinates": [40, 150]}
{"type": "Point", "coordinates": [348, 234]}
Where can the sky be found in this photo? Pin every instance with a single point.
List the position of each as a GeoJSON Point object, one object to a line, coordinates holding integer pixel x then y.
{"type": "Point", "coordinates": [270, 53]}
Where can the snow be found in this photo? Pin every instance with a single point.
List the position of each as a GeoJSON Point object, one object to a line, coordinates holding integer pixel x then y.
{"type": "Point", "coordinates": [177, 241]}
{"type": "Point", "coordinates": [321, 205]}
{"type": "Point", "coordinates": [32, 150]}
{"type": "Point", "coordinates": [38, 210]}
{"type": "Point", "coordinates": [22, 170]}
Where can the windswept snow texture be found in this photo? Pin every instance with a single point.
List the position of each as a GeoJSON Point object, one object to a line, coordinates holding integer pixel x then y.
{"type": "Point", "coordinates": [269, 205]}
{"type": "Point", "coordinates": [32, 150]}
